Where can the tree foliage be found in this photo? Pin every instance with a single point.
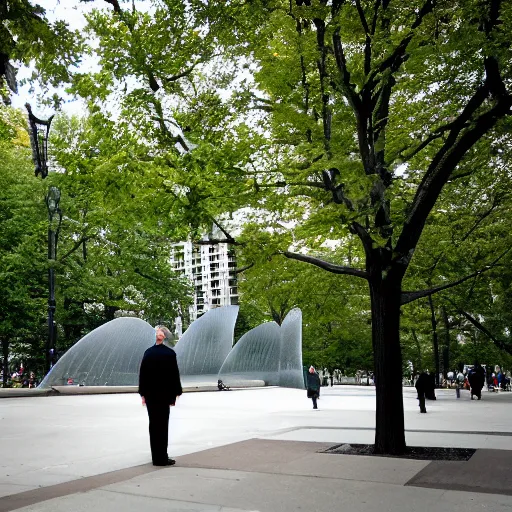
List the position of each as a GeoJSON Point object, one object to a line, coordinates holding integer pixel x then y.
{"type": "Point", "coordinates": [22, 245]}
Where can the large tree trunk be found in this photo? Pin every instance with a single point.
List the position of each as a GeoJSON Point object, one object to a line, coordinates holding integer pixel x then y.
{"type": "Point", "coordinates": [389, 421]}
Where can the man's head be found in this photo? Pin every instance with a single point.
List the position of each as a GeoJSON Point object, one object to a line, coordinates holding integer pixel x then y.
{"type": "Point", "coordinates": [161, 334]}
{"type": "Point", "coordinates": [311, 369]}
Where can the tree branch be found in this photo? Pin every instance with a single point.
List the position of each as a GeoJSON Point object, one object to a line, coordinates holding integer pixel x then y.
{"type": "Point", "coordinates": [226, 234]}
{"type": "Point", "coordinates": [448, 157]}
{"type": "Point", "coordinates": [499, 343]}
{"type": "Point", "coordinates": [145, 276]}
{"type": "Point", "coordinates": [436, 134]}
{"type": "Point", "coordinates": [76, 246]}
{"type": "Point", "coordinates": [347, 86]}
{"type": "Point", "coordinates": [243, 269]}
{"type": "Point", "coordinates": [399, 54]}
{"type": "Point", "coordinates": [468, 233]}
{"type": "Point", "coordinates": [188, 70]}
{"type": "Point", "coordinates": [330, 267]}
{"type": "Point", "coordinates": [376, 6]}
{"type": "Point", "coordinates": [368, 39]}
{"type": "Point", "coordinates": [115, 5]}
{"type": "Point", "coordinates": [362, 17]}
{"type": "Point", "coordinates": [282, 184]}
{"type": "Point", "coordinates": [412, 296]}
{"type": "Point", "coordinates": [215, 241]}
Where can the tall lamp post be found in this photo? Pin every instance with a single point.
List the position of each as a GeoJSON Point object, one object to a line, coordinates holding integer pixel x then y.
{"type": "Point", "coordinates": [39, 131]}
{"type": "Point", "coordinates": [52, 202]}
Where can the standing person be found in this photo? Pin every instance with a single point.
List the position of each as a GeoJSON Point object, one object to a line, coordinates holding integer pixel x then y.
{"type": "Point", "coordinates": [423, 386]}
{"type": "Point", "coordinates": [476, 379]}
{"type": "Point", "coordinates": [460, 383]}
{"type": "Point", "coordinates": [313, 384]}
{"type": "Point", "coordinates": [159, 385]}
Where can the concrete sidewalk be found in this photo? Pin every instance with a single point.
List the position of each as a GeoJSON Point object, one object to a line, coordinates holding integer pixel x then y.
{"type": "Point", "coordinates": [282, 476]}
{"type": "Point", "coordinates": [249, 450]}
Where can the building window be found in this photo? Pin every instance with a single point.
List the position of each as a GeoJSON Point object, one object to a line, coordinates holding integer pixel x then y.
{"type": "Point", "coordinates": [234, 301]}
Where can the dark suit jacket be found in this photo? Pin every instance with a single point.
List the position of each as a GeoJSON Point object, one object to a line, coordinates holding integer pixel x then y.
{"type": "Point", "coordinates": [313, 384]}
{"type": "Point", "coordinates": [159, 376]}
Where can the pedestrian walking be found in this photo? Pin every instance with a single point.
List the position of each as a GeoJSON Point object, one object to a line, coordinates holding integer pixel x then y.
{"type": "Point", "coordinates": [476, 378]}
{"type": "Point", "coordinates": [459, 384]}
{"type": "Point", "coordinates": [159, 386]}
{"type": "Point", "coordinates": [313, 385]}
{"type": "Point", "coordinates": [423, 387]}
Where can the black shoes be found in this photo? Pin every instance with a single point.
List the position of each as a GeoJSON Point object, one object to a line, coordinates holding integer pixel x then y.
{"type": "Point", "coordinates": [168, 462]}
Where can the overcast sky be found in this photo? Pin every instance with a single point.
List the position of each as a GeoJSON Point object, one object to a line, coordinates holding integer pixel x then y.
{"type": "Point", "coordinates": [73, 12]}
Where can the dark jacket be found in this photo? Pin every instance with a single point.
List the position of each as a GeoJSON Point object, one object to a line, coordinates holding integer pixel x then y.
{"type": "Point", "coordinates": [159, 376]}
{"type": "Point", "coordinates": [425, 385]}
{"type": "Point", "coordinates": [313, 384]}
{"type": "Point", "coordinates": [476, 378]}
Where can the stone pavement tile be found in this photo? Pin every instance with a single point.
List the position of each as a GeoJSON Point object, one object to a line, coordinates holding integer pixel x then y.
{"type": "Point", "coordinates": [6, 489]}
{"type": "Point", "coordinates": [107, 501]}
{"type": "Point", "coordinates": [21, 497]}
{"type": "Point", "coordinates": [488, 471]}
{"type": "Point", "coordinates": [302, 458]}
{"type": "Point", "coordinates": [291, 493]}
{"type": "Point", "coordinates": [416, 438]}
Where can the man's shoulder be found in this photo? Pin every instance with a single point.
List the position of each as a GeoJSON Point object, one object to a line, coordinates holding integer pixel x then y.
{"type": "Point", "coordinates": [159, 351]}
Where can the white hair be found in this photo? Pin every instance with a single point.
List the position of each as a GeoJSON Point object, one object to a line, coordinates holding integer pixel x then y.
{"type": "Point", "coordinates": [165, 330]}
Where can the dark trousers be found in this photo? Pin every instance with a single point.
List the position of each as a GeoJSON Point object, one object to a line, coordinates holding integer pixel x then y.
{"type": "Point", "coordinates": [421, 398]}
{"type": "Point", "coordinates": [158, 430]}
{"type": "Point", "coordinates": [477, 392]}
{"type": "Point", "coordinates": [314, 397]}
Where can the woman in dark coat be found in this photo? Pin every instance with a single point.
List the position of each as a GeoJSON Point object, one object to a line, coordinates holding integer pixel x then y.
{"type": "Point", "coordinates": [313, 385]}
{"type": "Point", "coordinates": [476, 379]}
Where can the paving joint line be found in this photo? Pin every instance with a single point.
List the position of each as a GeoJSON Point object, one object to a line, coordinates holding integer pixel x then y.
{"type": "Point", "coordinates": [421, 431]}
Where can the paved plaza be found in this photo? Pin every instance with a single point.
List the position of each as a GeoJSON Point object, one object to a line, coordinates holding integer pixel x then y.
{"type": "Point", "coordinates": [248, 450]}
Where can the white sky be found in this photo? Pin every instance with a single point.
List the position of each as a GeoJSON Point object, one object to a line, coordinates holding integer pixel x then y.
{"type": "Point", "coordinates": [73, 12]}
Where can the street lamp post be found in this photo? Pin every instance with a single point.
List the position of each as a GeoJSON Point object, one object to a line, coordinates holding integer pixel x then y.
{"type": "Point", "coordinates": [52, 202]}
{"type": "Point", "coordinates": [39, 131]}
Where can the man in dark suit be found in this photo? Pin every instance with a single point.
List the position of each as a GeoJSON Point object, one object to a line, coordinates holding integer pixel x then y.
{"type": "Point", "coordinates": [425, 386]}
{"type": "Point", "coordinates": [159, 385]}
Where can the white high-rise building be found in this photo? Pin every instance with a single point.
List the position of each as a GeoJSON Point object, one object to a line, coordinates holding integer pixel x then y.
{"type": "Point", "coordinates": [212, 271]}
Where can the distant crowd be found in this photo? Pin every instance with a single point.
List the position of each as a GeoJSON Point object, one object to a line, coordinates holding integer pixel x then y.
{"type": "Point", "coordinates": [21, 378]}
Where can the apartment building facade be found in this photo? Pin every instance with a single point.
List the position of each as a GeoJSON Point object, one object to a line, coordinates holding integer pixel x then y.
{"type": "Point", "coordinates": [212, 270]}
